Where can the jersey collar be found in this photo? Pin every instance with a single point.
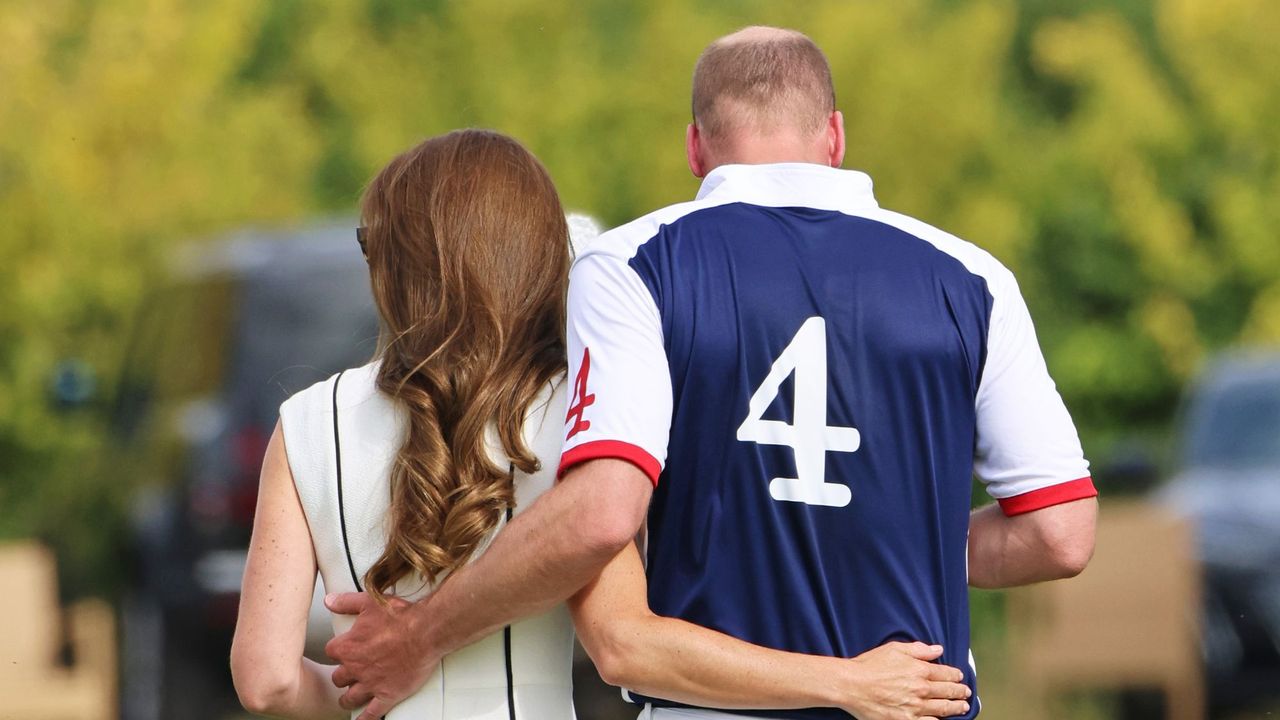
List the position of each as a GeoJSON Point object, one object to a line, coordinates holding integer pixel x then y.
{"type": "Point", "coordinates": [789, 185]}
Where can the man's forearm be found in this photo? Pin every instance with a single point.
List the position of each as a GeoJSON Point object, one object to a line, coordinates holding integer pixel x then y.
{"type": "Point", "coordinates": [545, 555]}
{"type": "Point", "coordinates": [1048, 544]}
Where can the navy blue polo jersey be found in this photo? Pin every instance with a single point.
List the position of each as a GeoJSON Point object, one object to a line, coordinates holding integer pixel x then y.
{"type": "Point", "coordinates": [812, 382]}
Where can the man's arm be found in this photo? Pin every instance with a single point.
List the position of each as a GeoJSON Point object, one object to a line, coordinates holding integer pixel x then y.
{"type": "Point", "coordinates": [673, 659]}
{"type": "Point", "coordinates": [1048, 544]}
{"type": "Point", "coordinates": [545, 555]}
{"type": "Point", "coordinates": [1028, 454]}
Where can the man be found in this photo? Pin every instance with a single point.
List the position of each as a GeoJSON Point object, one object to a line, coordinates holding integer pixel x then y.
{"type": "Point", "coordinates": [794, 387]}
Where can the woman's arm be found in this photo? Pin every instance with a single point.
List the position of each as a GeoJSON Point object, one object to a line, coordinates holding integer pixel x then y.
{"type": "Point", "coordinates": [680, 661]}
{"type": "Point", "coordinates": [270, 674]}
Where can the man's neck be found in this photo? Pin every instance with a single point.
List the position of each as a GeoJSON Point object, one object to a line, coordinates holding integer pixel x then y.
{"type": "Point", "coordinates": [765, 151]}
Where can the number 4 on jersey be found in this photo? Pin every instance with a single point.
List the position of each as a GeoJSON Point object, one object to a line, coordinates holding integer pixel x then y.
{"type": "Point", "coordinates": [809, 435]}
{"type": "Point", "coordinates": [581, 398]}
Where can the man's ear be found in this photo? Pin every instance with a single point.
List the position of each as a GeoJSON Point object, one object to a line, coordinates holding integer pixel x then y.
{"type": "Point", "coordinates": [693, 151]}
{"type": "Point", "coordinates": [835, 138]}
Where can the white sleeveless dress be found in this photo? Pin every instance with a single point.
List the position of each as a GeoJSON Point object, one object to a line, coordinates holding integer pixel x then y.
{"type": "Point", "coordinates": [521, 673]}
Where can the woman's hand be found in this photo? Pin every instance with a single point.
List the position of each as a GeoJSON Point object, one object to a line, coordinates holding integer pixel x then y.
{"type": "Point", "coordinates": [900, 681]}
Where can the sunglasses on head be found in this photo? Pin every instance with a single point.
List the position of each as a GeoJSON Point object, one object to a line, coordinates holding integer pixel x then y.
{"type": "Point", "coordinates": [362, 237]}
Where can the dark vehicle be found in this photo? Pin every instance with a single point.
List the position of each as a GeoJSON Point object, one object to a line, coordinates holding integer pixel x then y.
{"type": "Point", "coordinates": [1229, 486]}
{"type": "Point", "coordinates": [246, 322]}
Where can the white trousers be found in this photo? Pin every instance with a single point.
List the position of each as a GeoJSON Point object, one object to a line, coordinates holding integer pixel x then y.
{"type": "Point", "coordinates": [653, 713]}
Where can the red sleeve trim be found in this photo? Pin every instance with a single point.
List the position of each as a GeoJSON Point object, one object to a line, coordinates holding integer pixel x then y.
{"type": "Point", "coordinates": [1048, 496]}
{"type": "Point", "coordinates": [617, 449]}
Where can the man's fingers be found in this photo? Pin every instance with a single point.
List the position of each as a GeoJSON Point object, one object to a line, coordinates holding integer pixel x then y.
{"type": "Point", "coordinates": [346, 603]}
{"type": "Point", "coordinates": [354, 697]}
{"type": "Point", "coordinates": [945, 708]}
{"type": "Point", "coordinates": [920, 651]}
{"type": "Point", "coordinates": [336, 647]}
{"type": "Point", "coordinates": [343, 677]}
{"type": "Point", "coordinates": [945, 673]}
{"type": "Point", "coordinates": [948, 691]}
{"type": "Point", "coordinates": [375, 711]}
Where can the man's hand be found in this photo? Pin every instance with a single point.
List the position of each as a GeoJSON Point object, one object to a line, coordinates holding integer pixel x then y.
{"type": "Point", "coordinates": [899, 681]}
{"type": "Point", "coordinates": [379, 661]}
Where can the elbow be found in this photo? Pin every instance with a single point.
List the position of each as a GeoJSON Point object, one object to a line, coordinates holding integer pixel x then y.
{"type": "Point", "coordinates": [1066, 536]}
{"type": "Point", "coordinates": [605, 534]}
{"type": "Point", "coordinates": [1069, 546]}
{"type": "Point", "coordinates": [613, 669]}
{"type": "Point", "coordinates": [262, 697]}
{"type": "Point", "coordinates": [608, 525]}
{"type": "Point", "coordinates": [615, 661]}
{"type": "Point", "coordinates": [621, 644]}
{"type": "Point", "coordinates": [260, 689]}
{"type": "Point", "coordinates": [258, 704]}
{"type": "Point", "coordinates": [1072, 557]}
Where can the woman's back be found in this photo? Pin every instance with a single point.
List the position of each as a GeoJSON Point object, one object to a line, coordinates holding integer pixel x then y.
{"type": "Point", "coordinates": [522, 672]}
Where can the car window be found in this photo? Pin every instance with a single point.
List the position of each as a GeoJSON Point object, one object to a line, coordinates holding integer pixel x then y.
{"type": "Point", "coordinates": [297, 327]}
{"type": "Point", "coordinates": [1237, 426]}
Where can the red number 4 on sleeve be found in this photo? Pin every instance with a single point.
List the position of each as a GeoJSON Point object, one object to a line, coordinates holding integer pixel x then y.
{"type": "Point", "coordinates": [581, 399]}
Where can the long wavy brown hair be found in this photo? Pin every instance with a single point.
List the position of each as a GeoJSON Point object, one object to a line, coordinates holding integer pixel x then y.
{"type": "Point", "coordinates": [469, 256]}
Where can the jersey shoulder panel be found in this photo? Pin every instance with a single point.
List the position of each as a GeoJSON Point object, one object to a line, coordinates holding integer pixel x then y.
{"type": "Point", "coordinates": [623, 241]}
{"type": "Point", "coordinates": [975, 259]}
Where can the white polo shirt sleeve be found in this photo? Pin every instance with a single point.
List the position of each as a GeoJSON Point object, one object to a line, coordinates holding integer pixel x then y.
{"type": "Point", "coordinates": [620, 393]}
{"type": "Point", "coordinates": [1027, 451]}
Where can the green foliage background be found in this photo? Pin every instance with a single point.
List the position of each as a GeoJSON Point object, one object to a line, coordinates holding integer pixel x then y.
{"type": "Point", "coordinates": [1121, 157]}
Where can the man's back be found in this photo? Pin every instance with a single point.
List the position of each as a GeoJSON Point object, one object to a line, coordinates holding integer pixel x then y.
{"type": "Point", "coordinates": [824, 368]}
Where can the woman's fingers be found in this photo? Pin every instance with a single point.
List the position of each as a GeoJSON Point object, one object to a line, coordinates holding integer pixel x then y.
{"type": "Point", "coordinates": [944, 708]}
{"type": "Point", "coordinates": [920, 651]}
{"type": "Point", "coordinates": [945, 673]}
{"type": "Point", "coordinates": [948, 691]}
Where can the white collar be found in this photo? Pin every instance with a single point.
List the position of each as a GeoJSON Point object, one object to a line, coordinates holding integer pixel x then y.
{"type": "Point", "coordinates": [789, 185]}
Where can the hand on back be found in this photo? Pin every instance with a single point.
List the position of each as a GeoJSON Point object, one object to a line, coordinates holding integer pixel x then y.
{"type": "Point", "coordinates": [900, 681]}
{"type": "Point", "coordinates": [380, 661]}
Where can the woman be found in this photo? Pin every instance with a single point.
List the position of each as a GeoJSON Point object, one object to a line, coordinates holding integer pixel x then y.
{"type": "Point", "coordinates": [388, 477]}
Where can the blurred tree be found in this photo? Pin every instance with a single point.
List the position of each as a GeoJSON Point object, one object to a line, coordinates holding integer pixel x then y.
{"type": "Point", "coordinates": [123, 130]}
{"type": "Point", "coordinates": [1156, 241]}
{"type": "Point", "coordinates": [1120, 155]}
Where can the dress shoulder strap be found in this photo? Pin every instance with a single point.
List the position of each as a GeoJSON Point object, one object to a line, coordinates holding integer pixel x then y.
{"type": "Point", "coordinates": [337, 464]}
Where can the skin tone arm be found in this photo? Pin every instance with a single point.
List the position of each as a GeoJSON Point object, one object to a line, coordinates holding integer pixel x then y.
{"type": "Point", "coordinates": [673, 659]}
{"type": "Point", "coordinates": [271, 676]}
{"type": "Point", "coordinates": [545, 555]}
{"type": "Point", "coordinates": [1048, 544]}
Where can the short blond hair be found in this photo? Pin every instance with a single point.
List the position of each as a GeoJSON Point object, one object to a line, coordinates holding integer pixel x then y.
{"type": "Point", "coordinates": [762, 79]}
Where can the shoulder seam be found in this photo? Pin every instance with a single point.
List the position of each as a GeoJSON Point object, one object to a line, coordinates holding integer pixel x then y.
{"type": "Point", "coordinates": [626, 240]}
